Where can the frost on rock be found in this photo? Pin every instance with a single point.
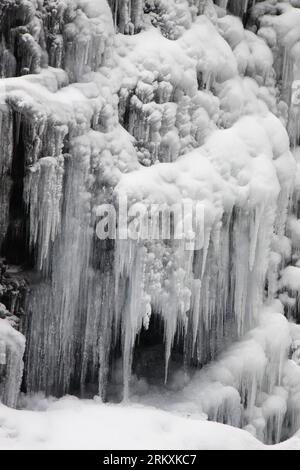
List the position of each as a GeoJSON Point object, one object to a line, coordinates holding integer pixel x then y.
{"type": "Point", "coordinates": [163, 102]}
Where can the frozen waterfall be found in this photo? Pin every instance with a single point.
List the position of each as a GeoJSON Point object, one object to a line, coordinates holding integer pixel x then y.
{"type": "Point", "coordinates": [159, 103]}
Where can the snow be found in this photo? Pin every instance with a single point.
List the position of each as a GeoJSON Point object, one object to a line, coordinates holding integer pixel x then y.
{"type": "Point", "coordinates": [234, 165]}
{"type": "Point", "coordinates": [291, 278]}
{"type": "Point", "coordinates": [12, 346]}
{"type": "Point", "coordinates": [70, 423]}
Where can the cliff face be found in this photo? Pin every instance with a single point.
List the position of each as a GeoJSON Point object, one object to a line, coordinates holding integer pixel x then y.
{"type": "Point", "coordinates": [156, 102]}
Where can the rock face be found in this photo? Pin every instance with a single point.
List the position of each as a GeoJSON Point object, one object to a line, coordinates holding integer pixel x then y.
{"type": "Point", "coordinates": [159, 102]}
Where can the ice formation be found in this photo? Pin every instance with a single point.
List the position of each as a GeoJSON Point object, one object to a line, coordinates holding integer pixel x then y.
{"type": "Point", "coordinates": [12, 345]}
{"type": "Point", "coordinates": [251, 385]}
{"type": "Point", "coordinates": [163, 102]}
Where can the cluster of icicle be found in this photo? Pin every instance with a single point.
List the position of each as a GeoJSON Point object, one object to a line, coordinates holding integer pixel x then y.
{"type": "Point", "coordinates": [186, 106]}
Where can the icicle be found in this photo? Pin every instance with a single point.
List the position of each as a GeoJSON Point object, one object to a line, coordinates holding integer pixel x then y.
{"type": "Point", "coordinates": [43, 195]}
{"type": "Point", "coordinates": [127, 15]}
{"type": "Point", "coordinates": [196, 296]}
{"type": "Point", "coordinates": [18, 126]}
{"type": "Point", "coordinates": [254, 235]}
{"type": "Point", "coordinates": [2, 353]}
{"type": "Point", "coordinates": [129, 269]}
{"type": "Point", "coordinates": [239, 7]}
{"type": "Point", "coordinates": [241, 274]}
{"type": "Point", "coordinates": [12, 346]}
{"type": "Point", "coordinates": [205, 249]}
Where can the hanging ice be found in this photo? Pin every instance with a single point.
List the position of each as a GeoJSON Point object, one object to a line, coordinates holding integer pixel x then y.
{"type": "Point", "coordinates": [12, 345]}
{"type": "Point", "coordinates": [164, 103]}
